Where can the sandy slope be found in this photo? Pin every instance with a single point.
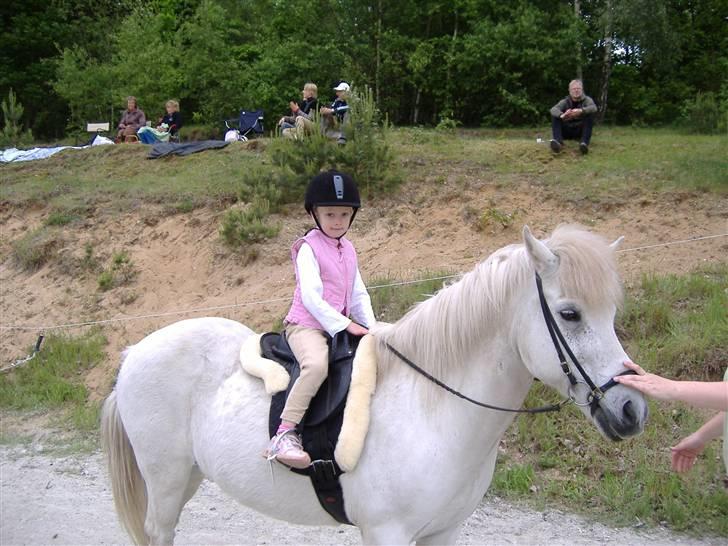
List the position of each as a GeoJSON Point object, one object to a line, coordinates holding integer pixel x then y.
{"type": "Point", "coordinates": [181, 264]}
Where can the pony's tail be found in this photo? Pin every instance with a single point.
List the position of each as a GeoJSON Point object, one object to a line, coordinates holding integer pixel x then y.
{"type": "Point", "coordinates": [127, 483]}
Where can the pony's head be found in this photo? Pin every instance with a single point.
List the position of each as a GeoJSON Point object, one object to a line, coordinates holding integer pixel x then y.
{"type": "Point", "coordinates": [582, 290]}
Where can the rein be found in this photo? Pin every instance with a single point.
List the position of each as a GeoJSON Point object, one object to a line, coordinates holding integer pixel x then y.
{"type": "Point", "coordinates": [544, 409]}
{"type": "Point", "coordinates": [595, 394]}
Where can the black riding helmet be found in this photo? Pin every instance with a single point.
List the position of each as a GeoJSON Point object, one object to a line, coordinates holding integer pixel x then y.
{"type": "Point", "coordinates": [332, 189]}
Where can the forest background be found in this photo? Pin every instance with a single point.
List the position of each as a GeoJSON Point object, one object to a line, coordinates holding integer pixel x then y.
{"type": "Point", "coordinates": [453, 62]}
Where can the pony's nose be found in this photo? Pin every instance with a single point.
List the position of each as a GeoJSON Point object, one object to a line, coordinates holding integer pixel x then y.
{"type": "Point", "coordinates": [629, 416]}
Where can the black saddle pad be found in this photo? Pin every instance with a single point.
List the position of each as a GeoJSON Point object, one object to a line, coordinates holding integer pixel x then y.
{"type": "Point", "coordinates": [331, 397]}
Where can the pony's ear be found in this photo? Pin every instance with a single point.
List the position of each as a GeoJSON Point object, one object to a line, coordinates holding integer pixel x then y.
{"type": "Point", "coordinates": [544, 261]}
{"type": "Point", "coordinates": [616, 244]}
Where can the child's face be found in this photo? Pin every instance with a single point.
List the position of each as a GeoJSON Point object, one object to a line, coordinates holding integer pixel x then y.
{"type": "Point", "coordinates": [334, 220]}
{"type": "Point", "coordinates": [170, 108]}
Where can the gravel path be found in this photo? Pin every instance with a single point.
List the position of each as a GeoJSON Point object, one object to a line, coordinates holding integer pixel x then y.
{"type": "Point", "coordinates": [66, 500]}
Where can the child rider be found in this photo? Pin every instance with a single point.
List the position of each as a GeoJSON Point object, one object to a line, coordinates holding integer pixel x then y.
{"type": "Point", "coordinates": [329, 289]}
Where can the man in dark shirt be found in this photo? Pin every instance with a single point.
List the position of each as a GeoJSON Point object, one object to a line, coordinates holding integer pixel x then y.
{"type": "Point", "coordinates": [332, 117]}
{"type": "Point", "coordinates": [573, 118]}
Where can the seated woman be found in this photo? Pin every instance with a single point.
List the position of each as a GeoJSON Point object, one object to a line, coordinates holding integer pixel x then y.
{"type": "Point", "coordinates": [132, 119]}
{"type": "Point", "coordinates": [167, 128]}
{"type": "Point", "coordinates": [301, 120]}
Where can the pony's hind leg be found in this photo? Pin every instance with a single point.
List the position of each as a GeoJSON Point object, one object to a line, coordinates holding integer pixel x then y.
{"type": "Point", "coordinates": [167, 493]}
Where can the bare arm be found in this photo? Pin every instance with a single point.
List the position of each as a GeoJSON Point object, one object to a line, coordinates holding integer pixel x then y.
{"type": "Point", "coordinates": [701, 394]}
{"type": "Point", "coordinates": [687, 450]}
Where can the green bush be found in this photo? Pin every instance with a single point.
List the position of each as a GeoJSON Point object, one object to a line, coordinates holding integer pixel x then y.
{"type": "Point", "coordinates": [121, 271]}
{"type": "Point", "coordinates": [248, 225]}
{"type": "Point", "coordinates": [367, 155]}
{"type": "Point", "coordinates": [703, 114]}
{"type": "Point", "coordinates": [12, 133]}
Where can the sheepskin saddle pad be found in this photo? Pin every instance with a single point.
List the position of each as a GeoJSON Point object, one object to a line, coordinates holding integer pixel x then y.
{"type": "Point", "coordinates": [337, 420]}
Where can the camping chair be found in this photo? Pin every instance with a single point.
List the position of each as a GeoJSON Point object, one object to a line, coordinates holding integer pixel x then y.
{"type": "Point", "coordinates": [247, 125]}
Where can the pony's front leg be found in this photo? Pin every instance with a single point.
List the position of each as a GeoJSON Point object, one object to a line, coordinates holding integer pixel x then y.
{"type": "Point", "coordinates": [386, 534]}
{"type": "Point", "coordinates": [448, 536]}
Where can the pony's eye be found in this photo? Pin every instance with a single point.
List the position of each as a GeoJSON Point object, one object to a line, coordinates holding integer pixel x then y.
{"type": "Point", "coordinates": [570, 315]}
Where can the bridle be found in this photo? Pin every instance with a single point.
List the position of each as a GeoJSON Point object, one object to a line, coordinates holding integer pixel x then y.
{"type": "Point", "coordinates": [595, 393]}
{"type": "Point", "coordinates": [592, 399]}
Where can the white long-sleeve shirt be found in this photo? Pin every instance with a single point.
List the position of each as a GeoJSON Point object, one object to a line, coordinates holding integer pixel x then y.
{"type": "Point", "coordinates": [312, 291]}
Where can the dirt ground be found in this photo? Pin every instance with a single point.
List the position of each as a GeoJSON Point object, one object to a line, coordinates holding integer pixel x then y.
{"type": "Point", "coordinates": [67, 501]}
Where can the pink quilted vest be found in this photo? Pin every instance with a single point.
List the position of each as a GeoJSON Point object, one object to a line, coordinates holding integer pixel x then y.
{"type": "Point", "coordinates": [337, 265]}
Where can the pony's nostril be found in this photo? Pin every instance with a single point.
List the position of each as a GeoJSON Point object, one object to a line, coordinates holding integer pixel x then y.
{"type": "Point", "coordinates": [630, 417]}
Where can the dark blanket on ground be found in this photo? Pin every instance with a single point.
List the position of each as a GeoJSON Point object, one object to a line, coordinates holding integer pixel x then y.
{"type": "Point", "coordinates": [162, 149]}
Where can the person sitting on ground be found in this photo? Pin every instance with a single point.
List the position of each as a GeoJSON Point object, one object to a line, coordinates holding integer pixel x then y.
{"type": "Point", "coordinates": [332, 117]}
{"type": "Point", "coordinates": [131, 121]}
{"type": "Point", "coordinates": [701, 394]}
{"type": "Point", "coordinates": [573, 118]}
{"type": "Point", "coordinates": [168, 125]}
{"type": "Point", "coordinates": [300, 122]}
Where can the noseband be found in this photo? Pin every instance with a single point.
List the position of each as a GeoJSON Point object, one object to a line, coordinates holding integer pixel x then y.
{"type": "Point", "coordinates": [592, 399]}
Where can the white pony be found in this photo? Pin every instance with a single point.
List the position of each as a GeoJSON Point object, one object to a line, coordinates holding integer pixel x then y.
{"type": "Point", "coordinates": [183, 410]}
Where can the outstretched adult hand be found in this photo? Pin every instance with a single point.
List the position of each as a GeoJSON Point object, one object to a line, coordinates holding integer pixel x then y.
{"type": "Point", "coordinates": [650, 384]}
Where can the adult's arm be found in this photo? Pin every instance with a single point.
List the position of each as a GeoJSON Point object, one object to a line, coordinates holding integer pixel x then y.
{"type": "Point", "coordinates": [701, 394]}
{"type": "Point", "coordinates": [588, 106]}
{"type": "Point", "coordinates": [176, 121]}
{"type": "Point", "coordinates": [559, 108]}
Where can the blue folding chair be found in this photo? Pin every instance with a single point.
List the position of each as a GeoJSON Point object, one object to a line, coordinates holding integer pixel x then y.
{"type": "Point", "coordinates": [248, 124]}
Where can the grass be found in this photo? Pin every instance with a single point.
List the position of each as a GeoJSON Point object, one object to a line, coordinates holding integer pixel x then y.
{"type": "Point", "coordinates": [118, 178]}
{"type": "Point", "coordinates": [622, 161]}
{"type": "Point", "coordinates": [391, 298]}
{"type": "Point", "coordinates": [53, 380]}
{"type": "Point", "coordinates": [36, 247]}
{"type": "Point", "coordinates": [121, 271]}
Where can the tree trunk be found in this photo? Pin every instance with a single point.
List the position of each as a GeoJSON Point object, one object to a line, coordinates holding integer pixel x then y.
{"type": "Point", "coordinates": [607, 62]}
{"type": "Point", "coordinates": [450, 107]}
{"type": "Point", "coordinates": [416, 113]}
{"type": "Point", "coordinates": [577, 15]}
{"type": "Point", "coordinates": [378, 57]}
{"type": "Point", "coordinates": [418, 88]}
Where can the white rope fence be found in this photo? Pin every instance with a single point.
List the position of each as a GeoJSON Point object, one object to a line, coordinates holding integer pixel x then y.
{"type": "Point", "coordinates": [276, 300]}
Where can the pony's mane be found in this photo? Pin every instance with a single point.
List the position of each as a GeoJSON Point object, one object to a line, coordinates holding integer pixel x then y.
{"type": "Point", "coordinates": [442, 330]}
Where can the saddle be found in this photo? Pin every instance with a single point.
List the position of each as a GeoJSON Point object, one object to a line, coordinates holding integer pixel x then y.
{"type": "Point", "coordinates": [323, 420]}
{"type": "Point", "coordinates": [330, 400]}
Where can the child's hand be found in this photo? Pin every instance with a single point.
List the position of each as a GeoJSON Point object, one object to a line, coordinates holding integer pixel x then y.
{"type": "Point", "coordinates": [356, 329]}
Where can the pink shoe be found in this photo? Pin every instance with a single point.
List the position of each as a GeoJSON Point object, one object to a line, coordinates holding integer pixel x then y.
{"type": "Point", "coordinates": [285, 447]}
